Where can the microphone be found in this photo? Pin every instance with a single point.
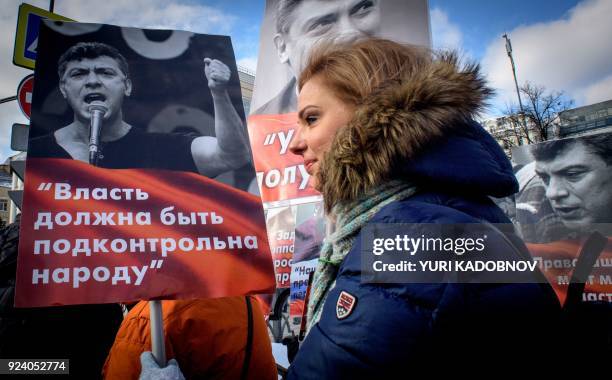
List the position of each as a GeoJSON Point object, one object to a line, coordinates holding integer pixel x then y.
{"type": "Point", "coordinates": [97, 112]}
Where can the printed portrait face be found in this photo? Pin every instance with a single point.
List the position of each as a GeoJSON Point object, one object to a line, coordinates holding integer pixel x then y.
{"type": "Point", "coordinates": [95, 81]}
{"type": "Point", "coordinates": [578, 184]}
{"type": "Point", "coordinates": [313, 21]}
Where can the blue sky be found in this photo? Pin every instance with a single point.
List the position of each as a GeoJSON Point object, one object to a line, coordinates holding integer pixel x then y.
{"type": "Point", "coordinates": [481, 22]}
{"type": "Point", "coordinates": [561, 44]}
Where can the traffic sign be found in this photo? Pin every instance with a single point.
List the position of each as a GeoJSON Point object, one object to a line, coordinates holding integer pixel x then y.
{"type": "Point", "coordinates": [26, 36]}
{"type": "Point", "coordinates": [24, 95]}
{"type": "Point", "coordinates": [19, 137]}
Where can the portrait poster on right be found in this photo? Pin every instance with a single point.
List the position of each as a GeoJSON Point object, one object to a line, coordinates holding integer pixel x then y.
{"type": "Point", "coordinates": [564, 200]}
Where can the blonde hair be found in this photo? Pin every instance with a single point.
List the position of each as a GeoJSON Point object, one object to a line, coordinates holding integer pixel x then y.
{"type": "Point", "coordinates": [354, 71]}
{"type": "Point", "coordinates": [405, 98]}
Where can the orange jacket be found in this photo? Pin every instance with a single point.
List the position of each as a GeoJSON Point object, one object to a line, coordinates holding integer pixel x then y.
{"type": "Point", "coordinates": [207, 337]}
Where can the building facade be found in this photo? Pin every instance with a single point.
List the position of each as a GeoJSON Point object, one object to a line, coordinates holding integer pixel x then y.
{"type": "Point", "coordinates": [579, 121]}
{"type": "Point", "coordinates": [247, 82]}
{"type": "Point", "coordinates": [508, 133]}
{"type": "Point", "coordinates": [5, 202]}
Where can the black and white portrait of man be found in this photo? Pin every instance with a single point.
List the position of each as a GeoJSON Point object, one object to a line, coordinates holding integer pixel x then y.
{"type": "Point", "coordinates": [295, 27]}
{"type": "Point", "coordinates": [566, 189]}
{"type": "Point", "coordinates": [106, 70]}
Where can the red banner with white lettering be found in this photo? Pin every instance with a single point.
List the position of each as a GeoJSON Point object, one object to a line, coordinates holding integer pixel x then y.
{"type": "Point", "coordinates": [280, 174]}
{"type": "Point", "coordinates": [138, 191]}
{"type": "Point", "coordinates": [94, 235]}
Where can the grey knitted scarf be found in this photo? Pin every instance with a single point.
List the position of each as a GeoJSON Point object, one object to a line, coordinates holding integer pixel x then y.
{"type": "Point", "coordinates": [350, 218]}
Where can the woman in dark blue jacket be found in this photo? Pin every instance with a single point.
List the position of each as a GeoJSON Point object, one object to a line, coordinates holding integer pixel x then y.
{"type": "Point", "coordinates": [387, 133]}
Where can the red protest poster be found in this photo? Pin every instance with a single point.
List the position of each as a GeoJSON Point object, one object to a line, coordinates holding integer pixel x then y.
{"type": "Point", "coordinates": [281, 234]}
{"type": "Point", "coordinates": [558, 262]}
{"type": "Point", "coordinates": [115, 246]}
{"type": "Point", "coordinates": [281, 175]}
{"type": "Point", "coordinates": [138, 172]}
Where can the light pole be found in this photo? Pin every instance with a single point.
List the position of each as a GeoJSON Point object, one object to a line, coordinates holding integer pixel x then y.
{"type": "Point", "coordinates": [518, 92]}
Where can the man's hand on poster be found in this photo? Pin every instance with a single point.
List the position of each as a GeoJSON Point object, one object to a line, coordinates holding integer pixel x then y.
{"type": "Point", "coordinates": [229, 149]}
{"type": "Point", "coordinates": [217, 73]}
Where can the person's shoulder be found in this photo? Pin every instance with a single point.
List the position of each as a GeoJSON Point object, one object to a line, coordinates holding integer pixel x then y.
{"type": "Point", "coordinates": [413, 214]}
{"type": "Point", "coordinates": [175, 313]}
{"type": "Point", "coordinates": [440, 206]}
{"type": "Point", "coordinates": [205, 314]}
{"type": "Point", "coordinates": [423, 208]}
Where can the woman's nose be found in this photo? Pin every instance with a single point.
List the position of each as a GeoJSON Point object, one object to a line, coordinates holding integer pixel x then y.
{"type": "Point", "coordinates": [297, 145]}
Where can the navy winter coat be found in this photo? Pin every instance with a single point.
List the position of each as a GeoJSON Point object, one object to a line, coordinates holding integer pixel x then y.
{"type": "Point", "coordinates": [420, 129]}
{"type": "Point", "coordinates": [396, 328]}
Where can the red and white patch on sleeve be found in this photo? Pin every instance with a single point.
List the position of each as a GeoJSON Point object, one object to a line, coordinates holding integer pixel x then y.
{"type": "Point", "coordinates": [345, 305]}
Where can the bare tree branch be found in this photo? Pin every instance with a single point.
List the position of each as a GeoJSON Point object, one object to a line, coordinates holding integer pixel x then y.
{"type": "Point", "coordinates": [541, 109]}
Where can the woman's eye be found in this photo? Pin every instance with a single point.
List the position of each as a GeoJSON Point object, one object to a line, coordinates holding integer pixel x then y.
{"type": "Point", "coordinates": [310, 120]}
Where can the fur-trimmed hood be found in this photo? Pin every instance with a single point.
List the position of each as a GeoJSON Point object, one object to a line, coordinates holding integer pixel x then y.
{"type": "Point", "coordinates": [420, 127]}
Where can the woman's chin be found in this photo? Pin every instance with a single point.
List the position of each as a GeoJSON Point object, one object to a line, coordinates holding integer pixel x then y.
{"type": "Point", "coordinates": [314, 182]}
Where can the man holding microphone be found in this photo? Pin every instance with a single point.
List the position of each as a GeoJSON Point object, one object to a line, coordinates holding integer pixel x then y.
{"type": "Point", "coordinates": [95, 79]}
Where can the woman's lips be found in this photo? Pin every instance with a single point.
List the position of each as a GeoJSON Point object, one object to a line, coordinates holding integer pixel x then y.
{"type": "Point", "coordinates": [309, 164]}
